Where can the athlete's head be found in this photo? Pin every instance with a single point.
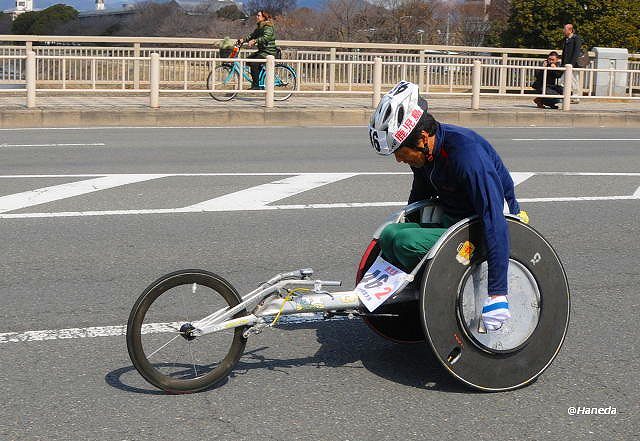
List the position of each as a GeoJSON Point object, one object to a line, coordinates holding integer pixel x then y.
{"type": "Point", "coordinates": [401, 125]}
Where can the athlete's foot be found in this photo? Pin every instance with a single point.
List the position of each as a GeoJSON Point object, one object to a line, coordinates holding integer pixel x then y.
{"type": "Point", "coordinates": [495, 312]}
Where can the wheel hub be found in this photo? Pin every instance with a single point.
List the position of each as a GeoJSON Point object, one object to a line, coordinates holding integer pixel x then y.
{"type": "Point", "coordinates": [524, 306]}
{"type": "Point", "coordinates": [186, 330]}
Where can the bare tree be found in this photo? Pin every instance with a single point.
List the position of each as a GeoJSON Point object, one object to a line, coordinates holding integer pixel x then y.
{"type": "Point", "coordinates": [275, 7]}
{"type": "Point", "coordinates": [302, 24]}
{"type": "Point", "coordinates": [473, 24]}
{"type": "Point", "coordinates": [342, 17]}
{"type": "Point", "coordinates": [407, 21]}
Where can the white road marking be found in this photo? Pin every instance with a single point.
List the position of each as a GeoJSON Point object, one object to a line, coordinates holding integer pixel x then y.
{"type": "Point", "coordinates": [311, 126]}
{"type": "Point", "coordinates": [520, 177]}
{"type": "Point", "coordinates": [582, 198]}
{"type": "Point", "coordinates": [286, 207]}
{"type": "Point", "coordinates": [95, 144]}
{"type": "Point", "coordinates": [117, 330]}
{"type": "Point", "coordinates": [258, 198]}
{"type": "Point", "coordinates": [152, 175]}
{"type": "Point", "coordinates": [587, 173]}
{"type": "Point", "coordinates": [255, 198]}
{"type": "Point", "coordinates": [54, 193]}
{"type": "Point", "coordinates": [562, 173]}
{"type": "Point", "coordinates": [25, 129]}
{"type": "Point", "coordinates": [576, 139]}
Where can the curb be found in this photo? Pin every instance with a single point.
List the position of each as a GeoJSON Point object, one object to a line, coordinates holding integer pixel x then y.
{"type": "Point", "coordinates": [197, 117]}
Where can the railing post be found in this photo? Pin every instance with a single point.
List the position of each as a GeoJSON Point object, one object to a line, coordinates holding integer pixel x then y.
{"type": "Point", "coordinates": [30, 77]}
{"type": "Point", "coordinates": [475, 84]}
{"type": "Point", "coordinates": [332, 69]}
{"type": "Point", "coordinates": [136, 66]}
{"type": "Point", "coordinates": [377, 81]}
{"type": "Point", "coordinates": [421, 58]}
{"type": "Point", "coordinates": [568, 79]}
{"type": "Point", "coordinates": [503, 74]}
{"type": "Point", "coordinates": [28, 46]}
{"type": "Point", "coordinates": [269, 81]}
{"type": "Point", "coordinates": [154, 81]}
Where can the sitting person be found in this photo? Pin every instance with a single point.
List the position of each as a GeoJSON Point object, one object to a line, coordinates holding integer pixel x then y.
{"type": "Point", "coordinates": [463, 170]}
{"type": "Point", "coordinates": [553, 88]}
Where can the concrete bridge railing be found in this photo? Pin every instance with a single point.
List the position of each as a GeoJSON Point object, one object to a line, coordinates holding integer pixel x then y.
{"type": "Point", "coordinates": [474, 78]}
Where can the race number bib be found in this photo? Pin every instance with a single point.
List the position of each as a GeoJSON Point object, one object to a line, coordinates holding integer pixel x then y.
{"type": "Point", "coordinates": [379, 283]}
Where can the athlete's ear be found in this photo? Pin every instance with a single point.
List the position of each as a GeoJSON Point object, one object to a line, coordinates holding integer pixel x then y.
{"type": "Point", "coordinates": [425, 137]}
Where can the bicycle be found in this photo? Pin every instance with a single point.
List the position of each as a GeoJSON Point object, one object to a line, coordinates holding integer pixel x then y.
{"type": "Point", "coordinates": [227, 76]}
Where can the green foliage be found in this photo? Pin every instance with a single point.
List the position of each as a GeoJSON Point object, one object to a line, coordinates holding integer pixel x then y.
{"type": "Point", "coordinates": [612, 23]}
{"type": "Point", "coordinates": [23, 22]}
{"type": "Point", "coordinates": [43, 22]}
{"type": "Point", "coordinates": [230, 12]}
{"type": "Point", "coordinates": [606, 23]}
{"type": "Point", "coordinates": [538, 23]}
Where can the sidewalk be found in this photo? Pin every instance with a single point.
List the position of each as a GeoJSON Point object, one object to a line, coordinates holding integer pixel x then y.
{"type": "Point", "coordinates": [201, 110]}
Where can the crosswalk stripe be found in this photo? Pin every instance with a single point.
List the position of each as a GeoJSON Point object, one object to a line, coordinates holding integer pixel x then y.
{"type": "Point", "coordinates": [43, 195]}
{"type": "Point", "coordinates": [257, 198]}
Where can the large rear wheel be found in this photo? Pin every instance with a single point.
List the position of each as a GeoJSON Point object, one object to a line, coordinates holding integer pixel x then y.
{"type": "Point", "coordinates": [454, 288]}
{"type": "Point", "coordinates": [285, 82]}
{"type": "Point", "coordinates": [160, 338]}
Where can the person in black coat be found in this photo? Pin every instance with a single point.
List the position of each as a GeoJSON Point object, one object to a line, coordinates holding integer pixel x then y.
{"type": "Point", "coordinates": [553, 88]}
{"type": "Point", "coordinates": [571, 46]}
{"type": "Point", "coordinates": [571, 50]}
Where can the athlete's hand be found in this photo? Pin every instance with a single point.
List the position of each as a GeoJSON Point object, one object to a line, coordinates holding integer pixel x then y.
{"type": "Point", "coordinates": [524, 216]}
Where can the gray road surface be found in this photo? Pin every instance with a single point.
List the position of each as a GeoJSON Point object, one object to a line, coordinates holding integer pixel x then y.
{"type": "Point", "coordinates": [317, 381]}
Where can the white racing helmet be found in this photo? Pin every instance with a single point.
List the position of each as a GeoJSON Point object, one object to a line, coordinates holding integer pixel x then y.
{"type": "Point", "coordinates": [395, 118]}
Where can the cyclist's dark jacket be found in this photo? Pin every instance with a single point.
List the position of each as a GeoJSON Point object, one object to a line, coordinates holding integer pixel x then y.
{"type": "Point", "coordinates": [469, 177]}
{"type": "Point", "coordinates": [265, 37]}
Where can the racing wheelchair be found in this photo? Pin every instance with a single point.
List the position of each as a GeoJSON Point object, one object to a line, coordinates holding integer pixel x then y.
{"type": "Point", "coordinates": [188, 329]}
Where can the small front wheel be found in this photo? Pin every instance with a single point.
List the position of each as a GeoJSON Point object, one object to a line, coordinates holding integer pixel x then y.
{"type": "Point", "coordinates": [159, 339]}
{"type": "Point", "coordinates": [224, 77]}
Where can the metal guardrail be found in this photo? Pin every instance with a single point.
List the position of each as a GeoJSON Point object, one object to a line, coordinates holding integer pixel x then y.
{"type": "Point", "coordinates": [357, 76]}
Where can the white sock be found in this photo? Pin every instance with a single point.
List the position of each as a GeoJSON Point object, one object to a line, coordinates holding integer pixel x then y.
{"type": "Point", "coordinates": [495, 312]}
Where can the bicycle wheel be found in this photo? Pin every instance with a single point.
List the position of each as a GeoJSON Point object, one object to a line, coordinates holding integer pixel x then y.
{"type": "Point", "coordinates": [285, 82]}
{"type": "Point", "coordinates": [222, 78]}
{"type": "Point", "coordinates": [158, 341]}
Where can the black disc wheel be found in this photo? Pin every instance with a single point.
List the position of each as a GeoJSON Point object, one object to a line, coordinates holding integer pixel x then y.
{"type": "Point", "coordinates": [454, 287]}
{"type": "Point", "coordinates": [285, 82]}
{"type": "Point", "coordinates": [221, 80]}
{"type": "Point", "coordinates": [398, 322]}
{"type": "Point", "coordinates": [162, 336]}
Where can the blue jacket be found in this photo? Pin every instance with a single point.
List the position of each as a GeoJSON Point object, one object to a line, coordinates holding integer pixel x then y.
{"type": "Point", "coordinates": [469, 178]}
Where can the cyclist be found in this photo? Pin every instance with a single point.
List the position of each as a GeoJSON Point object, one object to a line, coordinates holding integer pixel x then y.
{"type": "Point", "coordinates": [264, 37]}
{"type": "Point", "coordinates": [463, 170]}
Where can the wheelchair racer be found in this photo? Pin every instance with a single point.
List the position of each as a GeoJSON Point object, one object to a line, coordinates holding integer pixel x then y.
{"type": "Point", "coordinates": [463, 170]}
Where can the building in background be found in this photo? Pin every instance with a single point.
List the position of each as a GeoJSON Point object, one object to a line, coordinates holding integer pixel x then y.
{"type": "Point", "coordinates": [22, 6]}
